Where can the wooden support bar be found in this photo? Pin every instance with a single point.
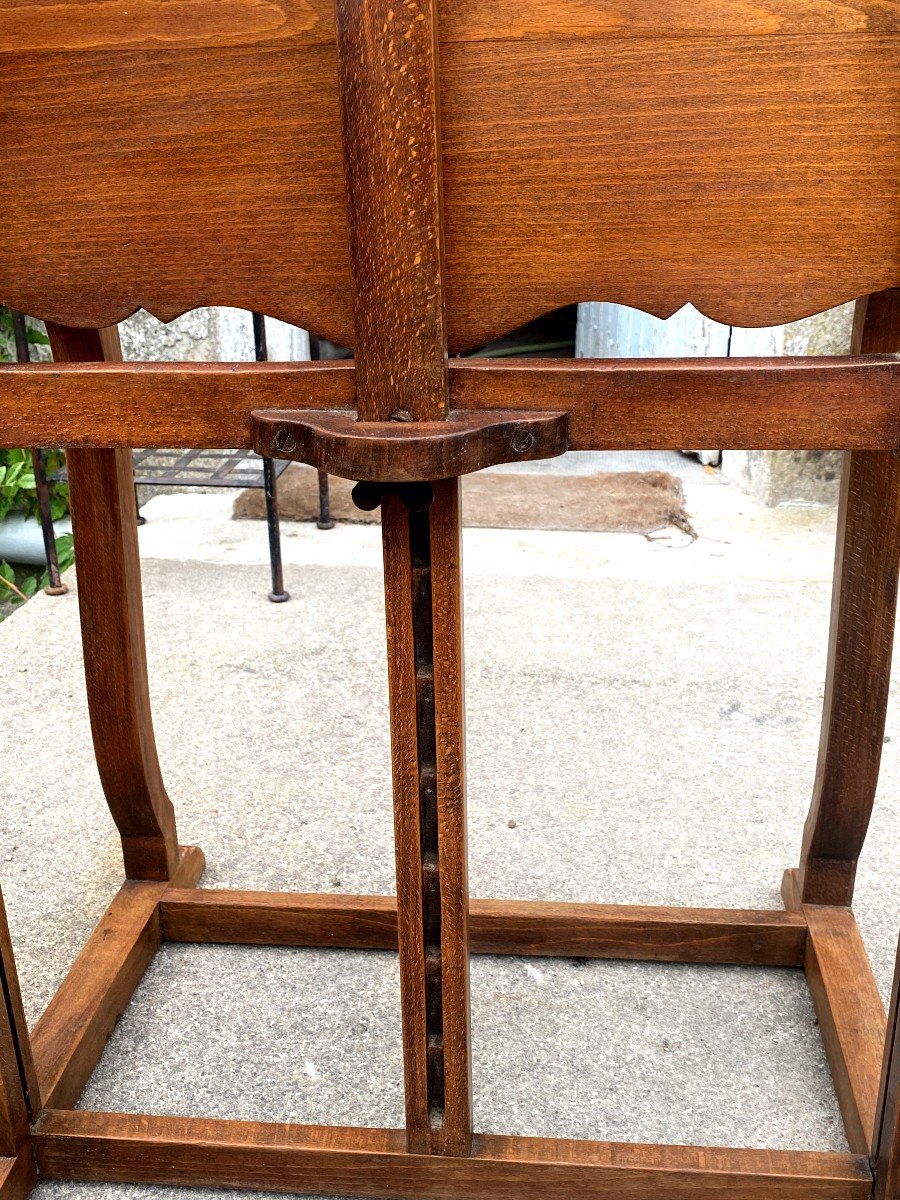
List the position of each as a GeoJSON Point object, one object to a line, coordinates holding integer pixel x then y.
{"type": "Point", "coordinates": [388, 68]}
{"type": "Point", "coordinates": [850, 1013]}
{"type": "Point", "coordinates": [104, 524]}
{"type": "Point", "coordinates": [613, 404]}
{"type": "Point", "coordinates": [529, 927]}
{"type": "Point", "coordinates": [424, 636]}
{"type": "Point", "coordinates": [70, 1036]}
{"type": "Point", "coordinates": [373, 1162]}
{"type": "Point", "coordinates": [886, 1140]}
{"type": "Point", "coordinates": [864, 605]}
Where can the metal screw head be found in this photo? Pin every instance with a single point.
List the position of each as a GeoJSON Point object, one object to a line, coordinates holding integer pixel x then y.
{"type": "Point", "coordinates": [283, 441]}
{"type": "Point", "coordinates": [524, 440]}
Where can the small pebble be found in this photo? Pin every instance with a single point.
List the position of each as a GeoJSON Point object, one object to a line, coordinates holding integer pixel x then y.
{"type": "Point", "coordinates": [511, 824]}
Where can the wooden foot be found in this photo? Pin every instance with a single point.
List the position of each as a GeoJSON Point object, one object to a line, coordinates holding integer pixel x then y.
{"type": "Point", "coordinates": [859, 653]}
{"type": "Point", "coordinates": [424, 636]}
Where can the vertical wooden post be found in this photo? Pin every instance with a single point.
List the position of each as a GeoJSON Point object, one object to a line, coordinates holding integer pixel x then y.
{"type": "Point", "coordinates": [389, 90]}
{"type": "Point", "coordinates": [104, 522]}
{"type": "Point", "coordinates": [859, 653]}
{"type": "Point", "coordinates": [886, 1140]}
{"type": "Point", "coordinates": [19, 1095]}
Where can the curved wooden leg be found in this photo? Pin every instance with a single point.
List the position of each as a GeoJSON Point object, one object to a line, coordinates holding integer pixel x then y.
{"type": "Point", "coordinates": [104, 521]}
{"type": "Point", "coordinates": [859, 654]}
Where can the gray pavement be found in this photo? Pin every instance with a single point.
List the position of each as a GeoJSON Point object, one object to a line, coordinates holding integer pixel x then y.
{"type": "Point", "coordinates": [645, 711]}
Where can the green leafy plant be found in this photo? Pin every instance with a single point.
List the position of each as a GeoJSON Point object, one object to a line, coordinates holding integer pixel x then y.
{"type": "Point", "coordinates": [18, 488]}
{"type": "Point", "coordinates": [35, 334]}
{"type": "Point", "coordinates": [20, 584]}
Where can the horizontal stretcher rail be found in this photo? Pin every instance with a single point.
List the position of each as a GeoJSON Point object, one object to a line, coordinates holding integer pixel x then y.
{"type": "Point", "coordinates": [532, 927]}
{"type": "Point", "coordinates": [374, 1162]}
{"type": "Point", "coordinates": [761, 403]}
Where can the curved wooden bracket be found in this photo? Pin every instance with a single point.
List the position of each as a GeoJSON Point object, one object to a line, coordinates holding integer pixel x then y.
{"type": "Point", "coordinates": [405, 451]}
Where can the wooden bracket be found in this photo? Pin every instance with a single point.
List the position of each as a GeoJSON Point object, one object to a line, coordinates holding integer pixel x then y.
{"type": "Point", "coordinates": [405, 451]}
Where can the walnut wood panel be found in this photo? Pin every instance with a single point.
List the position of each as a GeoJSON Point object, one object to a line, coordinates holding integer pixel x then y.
{"type": "Point", "coordinates": [401, 451]}
{"type": "Point", "coordinates": [532, 927]}
{"type": "Point", "coordinates": [857, 680]}
{"type": "Point", "coordinates": [211, 173]}
{"type": "Point", "coordinates": [104, 526]}
{"type": "Point", "coordinates": [886, 1141]}
{"type": "Point", "coordinates": [373, 1162]}
{"type": "Point", "coordinates": [168, 178]}
{"type": "Point", "coordinates": [503, 20]}
{"type": "Point", "coordinates": [69, 1038]}
{"type": "Point", "coordinates": [72, 25]}
{"type": "Point", "coordinates": [766, 403]}
{"type": "Point", "coordinates": [851, 1016]}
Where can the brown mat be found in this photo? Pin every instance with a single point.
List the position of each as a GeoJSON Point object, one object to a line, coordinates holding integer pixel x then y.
{"type": "Point", "coordinates": [627, 501]}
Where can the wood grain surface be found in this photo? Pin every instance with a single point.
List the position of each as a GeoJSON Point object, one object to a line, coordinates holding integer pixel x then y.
{"type": "Point", "coordinates": [196, 159]}
{"type": "Point", "coordinates": [886, 1140]}
{"type": "Point", "coordinates": [387, 63]}
{"type": "Point", "coordinates": [613, 404]}
{"type": "Point", "coordinates": [110, 605]}
{"type": "Point", "coordinates": [373, 1162]}
{"type": "Point", "coordinates": [850, 1013]}
{"type": "Point", "coordinates": [402, 451]}
{"type": "Point", "coordinates": [531, 927]}
{"type": "Point", "coordinates": [858, 670]}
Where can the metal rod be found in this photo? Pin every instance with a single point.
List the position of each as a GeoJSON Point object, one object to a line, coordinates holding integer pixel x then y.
{"type": "Point", "coordinates": [324, 520]}
{"type": "Point", "coordinates": [55, 586]}
{"type": "Point", "coordinates": [277, 595]}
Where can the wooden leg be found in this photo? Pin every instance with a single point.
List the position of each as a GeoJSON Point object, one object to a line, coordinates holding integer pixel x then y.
{"type": "Point", "coordinates": [104, 519]}
{"type": "Point", "coordinates": [859, 653]}
{"type": "Point", "coordinates": [18, 1082]}
{"type": "Point", "coordinates": [424, 636]}
{"type": "Point", "coordinates": [886, 1142]}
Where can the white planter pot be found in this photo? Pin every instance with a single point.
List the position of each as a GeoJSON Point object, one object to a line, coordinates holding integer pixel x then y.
{"type": "Point", "coordinates": [21, 540]}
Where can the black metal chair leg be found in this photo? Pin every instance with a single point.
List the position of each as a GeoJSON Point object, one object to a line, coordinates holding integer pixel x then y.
{"type": "Point", "coordinates": [324, 521]}
{"type": "Point", "coordinates": [55, 586]}
{"type": "Point", "coordinates": [277, 595]}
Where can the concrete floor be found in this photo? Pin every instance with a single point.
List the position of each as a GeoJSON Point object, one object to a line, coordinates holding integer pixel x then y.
{"type": "Point", "coordinates": [646, 711]}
